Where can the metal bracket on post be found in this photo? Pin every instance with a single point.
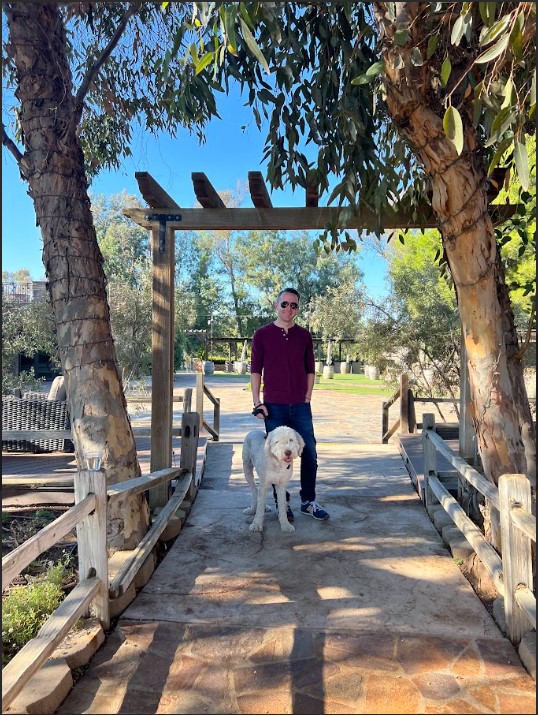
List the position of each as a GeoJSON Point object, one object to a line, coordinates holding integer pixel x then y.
{"type": "Point", "coordinates": [163, 220]}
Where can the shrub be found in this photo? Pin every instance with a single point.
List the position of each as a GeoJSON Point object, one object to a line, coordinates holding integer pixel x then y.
{"type": "Point", "coordinates": [26, 608]}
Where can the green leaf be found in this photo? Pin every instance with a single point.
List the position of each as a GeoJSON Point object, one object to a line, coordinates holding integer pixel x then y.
{"type": "Point", "coordinates": [253, 47]}
{"type": "Point", "coordinates": [402, 37]}
{"type": "Point", "coordinates": [432, 46]}
{"type": "Point", "coordinates": [376, 69]}
{"type": "Point", "coordinates": [487, 12]}
{"type": "Point", "coordinates": [508, 87]}
{"type": "Point", "coordinates": [230, 13]}
{"type": "Point", "coordinates": [495, 30]}
{"type": "Point", "coordinates": [370, 74]}
{"type": "Point", "coordinates": [457, 30]}
{"type": "Point", "coordinates": [503, 146]}
{"type": "Point", "coordinates": [453, 127]}
{"type": "Point", "coordinates": [446, 69]}
{"type": "Point", "coordinates": [477, 111]}
{"type": "Point", "coordinates": [204, 61]}
{"type": "Point", "coordinates": [498, 48]}
{"type": "Point", "coordinates": [522, 164]}
{"type": "Point", "coordinates": [416, 57]}
{"type": "Point", "coordinates": [503, 120]}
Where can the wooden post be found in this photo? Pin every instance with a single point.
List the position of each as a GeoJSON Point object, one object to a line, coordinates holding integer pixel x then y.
{"type": "Point", "coordinates": [515, 491]}
{"type": "Point", "coordinates": [411, 411]}
{"type": "Point", "coordinates": [216, 418]}
{"type": "Point", "coordinates": [162, 375]}
{"type": "Point", "coordinates": [200, 398]}
{"type": "Point", "coordinates": [430, 457]}
{"type": "Point", "coordinates": [190, 432]}
{"type": "Point", "coordinates": [467, 437]}
{"type": "Point", "coordinates": [91, 539]}
{"type": "Point", "coordinates": [404, 403]}
{"type": "Point", "coordinates": [384, 422]}
{"type": "Point", "coordinates": [187, 399]}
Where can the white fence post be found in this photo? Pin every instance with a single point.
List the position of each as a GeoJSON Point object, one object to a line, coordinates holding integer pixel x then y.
{"type": "Point", "coordinates": [91, 538]}
{"type": "Point", "coordinates": [515, 491]}
{"type": "Point", "coordinates": [430, 456]}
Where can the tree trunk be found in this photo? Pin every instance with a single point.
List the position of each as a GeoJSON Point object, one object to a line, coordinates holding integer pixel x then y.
{"type": "Point", "coordinates": [501, 412]}
{"type": "Point", "coordinates": [53, 166]}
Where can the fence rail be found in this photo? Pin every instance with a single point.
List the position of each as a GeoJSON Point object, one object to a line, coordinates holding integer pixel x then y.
{"type": "Point", "coordinates": [511, 571]}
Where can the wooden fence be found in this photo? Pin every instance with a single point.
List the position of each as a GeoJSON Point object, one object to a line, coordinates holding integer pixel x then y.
{"type": "Point", "coordinates": [512, 571]}
{"type": "Point", "coordinates": [406, 423]}
{"type": "Point", "coordinates": [89, 516]}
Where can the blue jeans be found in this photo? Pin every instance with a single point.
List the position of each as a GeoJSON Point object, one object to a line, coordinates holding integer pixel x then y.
{"type": "Point", "coordinates": [299, 417]}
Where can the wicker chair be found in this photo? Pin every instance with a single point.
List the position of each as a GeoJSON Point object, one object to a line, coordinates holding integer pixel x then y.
{"type": "Point", "coordinates": [35, 412]}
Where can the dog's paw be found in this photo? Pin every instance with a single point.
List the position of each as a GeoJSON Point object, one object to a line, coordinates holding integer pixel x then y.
{"type": "Point", "coordinates": [249, 510]}
{"type": "Point", "coordinates": [287, 527]}
{"type": "Point", "coordinates": [255, 526]}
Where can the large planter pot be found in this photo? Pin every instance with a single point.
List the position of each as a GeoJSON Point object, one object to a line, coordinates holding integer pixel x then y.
{"type": "Point", "coordinates": [319, 367]}
{"type": "Point", "coordinates": [373, 372]}
{"type": "Point", "coordinates": [328, 372]}
{"type": "Point", "coordinates": [240, 367]}
{"type": "Point", "coordinates": [344, 368]}
{"type": "Point", "coordinates": [209, 367]}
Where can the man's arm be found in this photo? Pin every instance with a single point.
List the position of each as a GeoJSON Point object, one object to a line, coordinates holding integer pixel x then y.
{"type": "Point", "coordinates": [310, 379]}
{"type": "Point", "coordinates": [255, 384]}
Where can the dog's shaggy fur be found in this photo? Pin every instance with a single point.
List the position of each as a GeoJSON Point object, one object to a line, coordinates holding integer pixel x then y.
{"type": "Point", "coordinates": [272, 458]}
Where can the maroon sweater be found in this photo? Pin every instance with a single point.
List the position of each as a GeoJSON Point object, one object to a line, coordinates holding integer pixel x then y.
{"type": "Point", "coordinates": [284, 360]}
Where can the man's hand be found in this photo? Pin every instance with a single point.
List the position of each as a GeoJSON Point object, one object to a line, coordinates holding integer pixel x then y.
{"type": "Point", "coordinates": [260, 411]}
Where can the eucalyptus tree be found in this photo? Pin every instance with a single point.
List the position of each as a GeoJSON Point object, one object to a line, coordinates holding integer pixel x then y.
{"type": "Point", "coordinates": [404, 101]}
{"type": "Point", "coordinates": [80, 75]}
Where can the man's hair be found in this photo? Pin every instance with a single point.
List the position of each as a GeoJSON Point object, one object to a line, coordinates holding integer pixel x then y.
{"type": "Point", "coordinates": [288, 290]}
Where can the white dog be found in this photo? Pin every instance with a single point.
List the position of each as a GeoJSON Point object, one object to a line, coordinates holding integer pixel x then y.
{"type": "Point", "coordinates": [272, 458]}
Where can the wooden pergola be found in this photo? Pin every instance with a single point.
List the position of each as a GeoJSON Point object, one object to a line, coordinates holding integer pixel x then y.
{"type": "Point", "coordinates": [164, 216]}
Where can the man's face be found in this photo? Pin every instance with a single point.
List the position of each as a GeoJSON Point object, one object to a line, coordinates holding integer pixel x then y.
{"type": "Point", "coordinates": [287, 306]}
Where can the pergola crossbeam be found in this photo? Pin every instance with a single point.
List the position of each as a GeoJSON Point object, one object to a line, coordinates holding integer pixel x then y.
{"type": "Point", "coordinates": [290, 219]}
{"type": "Point", "coordinates": [205, 193]}
{"type": "Point", "coordinates": [258, 190]}
{"type": "Point", "coordinates": [153, 193]}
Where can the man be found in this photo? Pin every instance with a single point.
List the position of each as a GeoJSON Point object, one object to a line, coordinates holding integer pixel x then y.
{"type": "Point", "coordinates": [283, 353]}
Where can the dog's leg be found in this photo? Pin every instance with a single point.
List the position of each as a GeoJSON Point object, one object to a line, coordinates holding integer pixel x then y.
{"type": "Point", "coordinates": [248, 471]}
{"type": "Point", "coordinates": [283, 519]}
{"type": "Point", "coordinates": [257, 524]}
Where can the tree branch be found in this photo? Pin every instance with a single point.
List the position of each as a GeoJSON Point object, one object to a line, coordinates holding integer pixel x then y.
{"type": "Point", "coordinates": [94, 69]}
{"type": "Point", "coordinates": [13, 148]}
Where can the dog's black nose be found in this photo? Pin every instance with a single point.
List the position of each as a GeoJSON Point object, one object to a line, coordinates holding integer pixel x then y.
{"type": "Point", "coordinates": [288, 453]}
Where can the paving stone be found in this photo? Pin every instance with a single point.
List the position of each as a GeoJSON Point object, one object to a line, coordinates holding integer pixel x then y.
{"type": "Point", "coordinates": [46, 690]}
{"type": "Point", "coordinates": [527, 652]}
{"type": "Point", "coordinates": [459, 547]}
{"type": "Point", "coordinates": [80, 645]}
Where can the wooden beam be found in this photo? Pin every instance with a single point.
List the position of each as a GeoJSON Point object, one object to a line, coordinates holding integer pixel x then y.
{"type": "Point", "coordinates": [299, 218]}
{"type": "Point", "coordinates": [205, 193]}
{"type": "Point", "coordinates": [153, 193]}
{"type": "Point", "coordinates": [258, 190]}
{"type": "Point", "coordinates": [312, 195]}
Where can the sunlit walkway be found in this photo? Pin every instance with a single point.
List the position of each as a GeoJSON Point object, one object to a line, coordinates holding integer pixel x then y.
{"type": "Point", "coordinates": [364, 613]}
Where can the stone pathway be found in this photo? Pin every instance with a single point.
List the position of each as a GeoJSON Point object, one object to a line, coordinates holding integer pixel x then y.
{"type": "Point", "coordinates": [364, 613]}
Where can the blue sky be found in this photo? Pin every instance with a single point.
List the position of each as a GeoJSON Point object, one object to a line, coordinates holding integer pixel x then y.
{"type": "Point", "coordinates": [229, 153]}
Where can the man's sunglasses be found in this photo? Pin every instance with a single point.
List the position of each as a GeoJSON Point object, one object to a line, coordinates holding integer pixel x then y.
{"type": "Point", "coordinates": [293, 306]}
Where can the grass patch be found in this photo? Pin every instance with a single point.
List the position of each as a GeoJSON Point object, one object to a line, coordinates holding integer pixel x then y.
{"type": "Point", "coordinates": [350, 384]}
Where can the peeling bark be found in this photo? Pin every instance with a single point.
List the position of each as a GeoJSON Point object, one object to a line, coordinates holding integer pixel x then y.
{"type": "Point", "coordinates": [501, 412]}
{"type": "Point", "coordinates": [54, 169]}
